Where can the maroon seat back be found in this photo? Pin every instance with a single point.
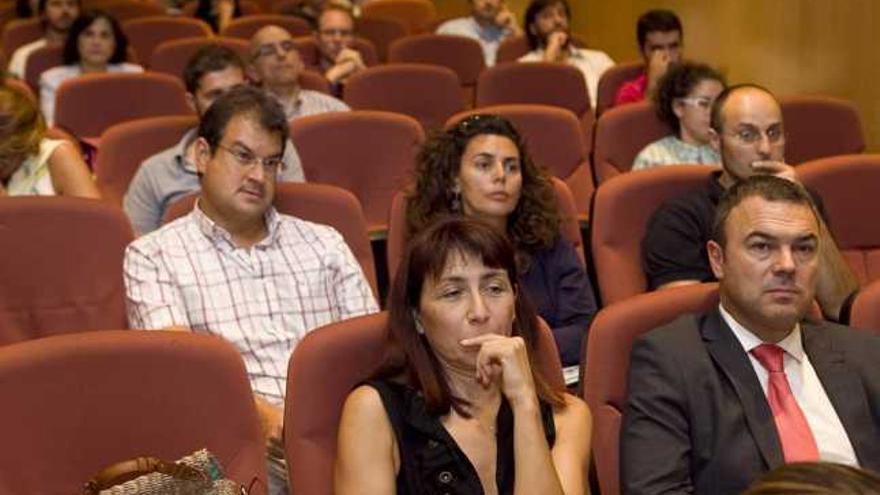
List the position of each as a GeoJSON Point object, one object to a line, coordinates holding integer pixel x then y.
{"type": "Point", "coordinates": [621, 133]}
{"type": "Point", "coordinates": [318, 203]}
{"type": "Point", "coordinates": [866, 308]}
{"type": "Point", "coordinates": [366, 152]}
{"type": "Point", "coordinates": [607, 362]}
{"type": "Point", "coordinates": [416, 15]}
{"type": "Point", "coordinates": [146, 33]}
{"type": "Point", "coordinates": [463, 55]}
{"type": "Point", "coordinates": [556, 142]}
{"type": "Point", "coordinates": [124, 10]}
{"type": "Point", "coordinates": [611, 81]}
{"type": "Point", "coordinates": [245, 27]}
{"type": "Point", "coordinates": [323, 369]}
{"type": "Point", "coordinates": [63, 269]}
{"type": "Point", "coordinates": [170, 57]}
{"type": "Point", "coordinates": [88, 105]}
{"type": "Point", "coordinates": [85, 401]}
{"type": "Point", "coordinates": [850, 187]}
{"type": "Point", "coordinates": [398, 232]}
{"type": "Point", "coordinates": [401, 88]}
{"type": "Point", "coordinates": [621, 211]}
{"type": "Point", "coordinates": [819, 127]}
{"type": "Point", "coordinates": [381, 32]}
{"type": "Point", "coordinates": [125, 146]}
{"type": "Point", "coordinates": [248, 8]}
{"type": "Point", "coordinates": [17, 33]}
{"type": "Point", "coordinates": [539, 83]}
{"type": "Point", "coordinates": [39, 61]}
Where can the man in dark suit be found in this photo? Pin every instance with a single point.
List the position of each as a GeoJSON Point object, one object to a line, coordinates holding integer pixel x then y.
{"type": "Point", "coordinates": [716, 400]}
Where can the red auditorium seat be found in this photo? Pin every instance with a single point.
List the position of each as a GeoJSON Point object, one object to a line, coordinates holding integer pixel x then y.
{"type": "Point", "coordinates": [612, 80]}
{"type": "Point", "coordinates": [621, 133]}
{"type": "Point", "coordinates": [323, 369]}
{"type": "Point", "coordinates": [19, 32]}
{"type": "Point", "coordinates": [170, 57]}
{"type": "Point", "coordinates": [416, 15]}
{"type": "Point", "coordinates": [819, 127]}
{"type": "Point", "coordinates": [866, 308]}
{"type": "Point", "coordinates": [319, 203]}
{"type": "Point", "coordinates": [247, 26]}
{"type": "Point", "coordinates": [124, 10]}
{"type": "Point", "coordinates": [63, 272]}
{"type": "Point", "coordinates": [381, 32]}
{"type": "Point", "coordinates": [146, 33]}
{"type": "Point", "coordinates": [82, 402]}
{"type": "Point", "coordinates": [607, 362]}
{"type": "Point", "coordinates": [462, 55]}
{"type": "Point", "coordinates": [248, 8]}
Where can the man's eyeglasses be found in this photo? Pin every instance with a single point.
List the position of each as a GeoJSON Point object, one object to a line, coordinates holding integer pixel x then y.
{"type": "Point", "coordinates": [342, 33]}
{"type": "Point", "coordinates": [751, 135]}
{"type": "Point", "coordinates": [269, 49]}
{"type": "Point", "coordinates": [702, 103]}
{"type": "Point", "coordinates": [247, 160]}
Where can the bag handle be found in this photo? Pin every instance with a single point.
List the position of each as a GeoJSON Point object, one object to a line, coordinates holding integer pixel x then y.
{"type": "Point", "coordinates": [128, 470]}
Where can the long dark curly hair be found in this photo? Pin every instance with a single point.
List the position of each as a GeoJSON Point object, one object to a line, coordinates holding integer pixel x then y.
{"type": "Point", "coordinates": [534, 223]}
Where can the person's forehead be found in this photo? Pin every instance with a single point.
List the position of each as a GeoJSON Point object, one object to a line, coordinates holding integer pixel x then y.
{"type": "Point", "coordinates": [751, 106]}
{"type": "Point", "coordinates": [271, 34]}
{"type": "Point", "coordinates": [491, 142]}
{"type": "Point", "coordinates": [779, 218]}
{"type": "Point", "coordinates": [229, 75]}
{"type": "Point", "coordinates": [335, 18]}
{"type": "Point", "coordinates": [663, 37]}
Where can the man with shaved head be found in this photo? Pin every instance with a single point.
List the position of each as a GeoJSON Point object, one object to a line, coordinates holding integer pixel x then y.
{"type": "Point", "coordinates": [748, 132]}
{"type": "Point", "coordinates": [275, 65]}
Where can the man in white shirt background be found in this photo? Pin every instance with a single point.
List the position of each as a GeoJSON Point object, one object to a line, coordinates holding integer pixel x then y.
{"type": "Point", "coordinates": [490, 23]}
{"type": "Point", "coordinates": [56, 17]}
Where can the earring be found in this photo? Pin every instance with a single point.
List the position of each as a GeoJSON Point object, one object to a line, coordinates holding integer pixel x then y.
{"type": "Point", "coordinates": [419, 327]}
{"type": "Point", "coordinates": [455, 204]}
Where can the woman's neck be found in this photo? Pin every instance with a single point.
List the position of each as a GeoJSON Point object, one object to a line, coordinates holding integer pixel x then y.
{"type": "Point", "coordinates": [483, 400]}
{"type": "Point", "coordinates": [88, 68]}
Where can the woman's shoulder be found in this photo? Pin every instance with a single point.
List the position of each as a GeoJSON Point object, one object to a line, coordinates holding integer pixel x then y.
{"type": "Point", "coordinates": [59, 73]}
{"type": "Point", "coordinates": [125, 67]}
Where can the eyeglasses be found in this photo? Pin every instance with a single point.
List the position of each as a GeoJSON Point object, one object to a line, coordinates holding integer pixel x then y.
{"type": "Point", "coordinates": [247, 160]}
{"type": "Point", "coordinates": [700, 102]}
{"type": "Point", "coordinates": [342, 33]}
{"type": "Point", "coordinates": [751, 135]}
{"type": "Point", "coordinates": [269, 49]}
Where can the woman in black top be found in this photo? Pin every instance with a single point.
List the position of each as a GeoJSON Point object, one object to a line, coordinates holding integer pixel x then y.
{"type": "Point", "coordinates": [218, 13]}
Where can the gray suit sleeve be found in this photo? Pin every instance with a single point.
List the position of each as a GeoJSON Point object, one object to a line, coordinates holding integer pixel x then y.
{"type": "Point", "coordinates": [655, 444]}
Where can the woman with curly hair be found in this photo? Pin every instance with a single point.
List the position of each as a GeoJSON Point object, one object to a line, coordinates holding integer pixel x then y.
{"type": "Point", "coordinates": [684, 101]}
{"type": "Point", "coordinates": [481, 168]}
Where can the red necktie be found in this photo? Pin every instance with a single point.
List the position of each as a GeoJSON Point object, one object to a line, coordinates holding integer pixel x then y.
{"type": "Point", "coordinates": [795, 435]}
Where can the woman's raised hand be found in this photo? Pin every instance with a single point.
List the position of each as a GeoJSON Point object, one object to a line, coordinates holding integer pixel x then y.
{"type": "Point", "coordinates": [503, 361]}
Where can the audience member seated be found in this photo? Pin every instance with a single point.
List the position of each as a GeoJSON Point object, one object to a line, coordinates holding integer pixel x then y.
{"type": "Point", "coordinates": [817, 478]}
{"type": "Point", "coordinates": [276, 65]}
{"type": "Point", "coordinates": [748, 133]}
{"type": "Point", "coordinates": [31, 163]}
{"type": "Point", "coordinates": [56, 17]}
{"type": "Point", "coordinates": [716, 400]}
{"type": "Point", "coordinates": [481, 168]}
{"type": "Point", "coordinates": [338, 60]}
{"type": "Point", "coordinates": [684, 101]}
{"type": "Point", "coordinates": [217, 13]}
{"type": "Point", "coordinates": [237, 268]}
{"type": "Point", "coordinates": [460, 394]}
{"type": "Point", "coordinates": [659, 34]}
{"type": "Point", "coordinates": [548, 32]}
{"type": "Point", "coordinates": [96, 44]}
{"type": "Point", "coordinates": [490, 22]}
{"type": "Point", "coordinates": [171, 174]}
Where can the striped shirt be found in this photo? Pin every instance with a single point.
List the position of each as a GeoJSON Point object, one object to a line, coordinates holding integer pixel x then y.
{"type": "Point", "coordinates": [263, 299]}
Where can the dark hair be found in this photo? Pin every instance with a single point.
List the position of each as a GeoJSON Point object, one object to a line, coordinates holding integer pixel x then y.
{"type": "Point", "coordinates": [767, 187]}
{"type": "Point", "coordinates": [535, 7]}
{"type": "Point", "coordinates": [716, 119]}
{"type": "Point", "coordinates": [657, 20]}
{"type": "Point", "coordinates": [411, 356]}
{"type": "Point", "coordinates": [71, 53]}
{"type": "Point", "coordinates": [816, 478]}
{"type": "Point", "coordinates": [21, 125]}
{"type": "Point", "coordinates": [210, 58]}
{"type": "Point", "coordinates": [534, 223]}
{"type": "Point", "coordinates": [243, 100]}
{"type": "Point", "coordinates": [205, 11]}
{"type": "Point", "coordinates": [678, 82]}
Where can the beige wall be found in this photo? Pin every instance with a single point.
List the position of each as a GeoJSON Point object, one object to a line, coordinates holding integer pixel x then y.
{"type": "Point", "coordinates": [790, 46]}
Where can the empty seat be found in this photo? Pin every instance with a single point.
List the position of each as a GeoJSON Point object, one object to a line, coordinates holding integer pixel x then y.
{"type": "Point", "coordinates": [865, 312]}
{"type": "Point", "coordinates": [381, 32]}
{"type": "Point", "coordinates": [850, 187]}
{"type": "Point", "coordinates": [146, 33]}
{"type": "Point", "coordinates": [556, 142]}
{"type": "Point", "coordinates": [820, 126]}
{"type": "Point", "coordinates": [124, 10]}
{"type": "Point", "coordinates": [125, 146]}
{"type": "Point", "coordinates": [63, 271]}
{"type": "Point", "coordinates": [611, 81]}
{"type": "Point", "coordinates": [607, 363]}
{"type": "Point", "coordinates": [369, 153]}
{"type": "Point", "coordinates": [462, 55]}
{"type": "Point", "coordinates": [85, 401]}
{"type": "Point", "coordinates": [247, 26]}
{"type": "Point", "coordinates": [402, 88]}
{"type": "Point", "coordinates": [620, 215]}
{"type": "Point", "coordinates": [87, 106]}
{"type": "Point", "coordinates": [323, 369]}
{"type": "Point", "coordinates": [621, 133]}
{"type": "Point", "coordinates": [416, 15]}
{"type": "Point", "coordinates": [19, 32]}
{"type": "Point", "coordinates": [39, 61]}
{"type": "Point", "coordinates": [171, 57]}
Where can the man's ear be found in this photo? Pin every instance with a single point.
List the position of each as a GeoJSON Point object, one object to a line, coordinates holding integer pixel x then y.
{"type": "Point", "coordinates": [191, 101]}
{"type": "Point", "coordinates": [202, 155]}
{"type": "Point", "coordinates": [715, 140]}
{"type": "Point", "coordinates": [716, 258]}
{"type": "Point", "coordinates": [251, 73]}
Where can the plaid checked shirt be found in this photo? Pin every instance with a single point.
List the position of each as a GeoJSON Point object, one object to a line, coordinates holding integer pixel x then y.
{"type": "Point", "coordinates": [263, 299]}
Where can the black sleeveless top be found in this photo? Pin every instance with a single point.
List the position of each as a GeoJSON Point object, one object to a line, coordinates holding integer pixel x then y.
{"type": "Point", "coordinates": [431, 463]}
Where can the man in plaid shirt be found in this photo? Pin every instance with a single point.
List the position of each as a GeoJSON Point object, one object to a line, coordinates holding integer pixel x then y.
{"type": "Point", "coordinates": [237, 268]}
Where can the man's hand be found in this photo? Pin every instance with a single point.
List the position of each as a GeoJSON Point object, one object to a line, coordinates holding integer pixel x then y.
{"type": "Point", "coordinates": [772, 167]}
{"type": "Point", "coordinates": [347, 62]}
{"type": "Point", "coordinates": [658, 64]}
{"type": "Point", "coordinates": [506, 20]}
{"type": "Point", "coordinates": [556, 42]}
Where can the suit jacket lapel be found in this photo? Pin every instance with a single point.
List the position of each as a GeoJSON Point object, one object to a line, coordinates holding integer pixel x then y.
{"type": "Point", "coordinates": [733, 361]}
{"type": "Point", "coordinates": [843, 387]}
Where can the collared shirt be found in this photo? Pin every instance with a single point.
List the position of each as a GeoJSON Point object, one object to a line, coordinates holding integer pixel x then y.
{"type": "Point", "coordinates": [591, 63]}
{"type": "Point", "coordinates": [831, 437]}
{"type": "Point", "coordinates": [632, 91]}
{"type": "Point", "coordinates": [167, 176]}
{"type": "Point", "coordinates": [263, 299]}
{"type": "Point", "coordinates": [489, 37]}
{"type": "Point", "coordinates": [18, 61]}
{"type": "Point", "coordinates": [310, 102]}
{"type": "Point", "coordinates": [673, 151]}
